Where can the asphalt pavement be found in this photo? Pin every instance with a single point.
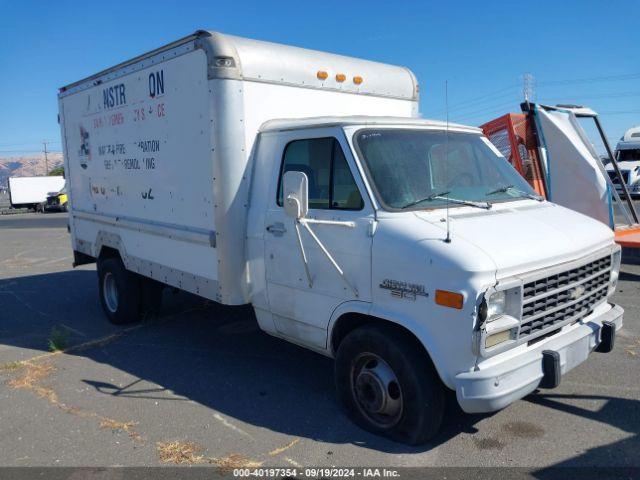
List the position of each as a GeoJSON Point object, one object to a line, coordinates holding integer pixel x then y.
{"type": "Point", "coordinates": [202, 385]}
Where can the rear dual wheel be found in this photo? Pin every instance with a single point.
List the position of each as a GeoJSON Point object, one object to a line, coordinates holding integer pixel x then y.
{"type": "Point", "coordinates": [389, 385]}
{"type": "Point", "coordinates": [124, 295]}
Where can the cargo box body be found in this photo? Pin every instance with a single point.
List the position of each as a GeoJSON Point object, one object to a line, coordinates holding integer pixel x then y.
{"type": "Point", "coordinates": [30, 191]}
{"type": "Point", "coordinates": [158, 150]}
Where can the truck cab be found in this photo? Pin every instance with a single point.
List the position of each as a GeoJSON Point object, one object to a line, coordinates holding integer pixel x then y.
{"type": "Point", "coordinates": [628, 156]}
{"type": "Point", "coordinates": [365, 233]}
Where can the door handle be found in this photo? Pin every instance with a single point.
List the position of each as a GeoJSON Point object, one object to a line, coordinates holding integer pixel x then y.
{"type": "Point", "coordinates": [276, 229]}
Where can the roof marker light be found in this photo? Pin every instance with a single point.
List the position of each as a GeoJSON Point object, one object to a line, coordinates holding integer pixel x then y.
{"type": "Point", "coordinates": [322, 75]}
{"type": "Point", "coordinates": [340, 77]}
{"type": "Point", "coordinates": [357, 80]}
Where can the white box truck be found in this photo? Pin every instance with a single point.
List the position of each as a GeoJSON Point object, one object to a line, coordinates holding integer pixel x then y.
{"type": "Point", "coordinates": [304, 184]}
{"type": "Point", "coordinates": [32, 192]}
{"type": "Point", "coordinates": [628, 157]}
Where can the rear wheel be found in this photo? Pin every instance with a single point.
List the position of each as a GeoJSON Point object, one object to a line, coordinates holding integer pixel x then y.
{"type": "Point", "coordinates": [151, 295]}
{"type": "Point", "coordinates": [388, 384]}
{"type": "Point", "coordinates": [119, 289]}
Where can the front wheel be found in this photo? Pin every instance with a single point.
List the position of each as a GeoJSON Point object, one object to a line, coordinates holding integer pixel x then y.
{"type": "Point", "coordinates": [119, 291]}
{"type": "Point", "coordinates": [388, 384]}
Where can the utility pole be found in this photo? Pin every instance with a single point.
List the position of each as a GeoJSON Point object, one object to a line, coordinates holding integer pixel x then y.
{"type": "Point", "coordinates": [46, 159]}
{"type": "Point", "coordinates": [528, 87]}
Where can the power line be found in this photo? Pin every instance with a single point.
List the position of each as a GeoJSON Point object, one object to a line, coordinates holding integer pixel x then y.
{"type": "Point", "coordinates": [487, 110]}
{"type": "Point", "coordinates": [610, 78]}
{"type": "Point", "coordinates": [597, 95]}
{"type": "Point", "coordinates": [29, 151]}
{"type": "Point", "coordinates": [618, 112]}
{"type": "Point", "coordinates": [479, 100]}
{"type": "Point", "coordinates": [483, 104]}
{"type": "Point", "coordinates": [528, 89]}
{"type": "Point", "coordinates": [37, 142]}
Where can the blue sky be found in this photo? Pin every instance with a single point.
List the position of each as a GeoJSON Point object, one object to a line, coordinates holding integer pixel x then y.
{"type": "Point", "coordinates": [579, 51]}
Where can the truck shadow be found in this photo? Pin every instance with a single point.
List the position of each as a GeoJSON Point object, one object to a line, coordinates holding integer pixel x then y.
{"type": "Point", "coordinates": [216, 356]}
{"type": "Point", "coordinates": [198, 351]}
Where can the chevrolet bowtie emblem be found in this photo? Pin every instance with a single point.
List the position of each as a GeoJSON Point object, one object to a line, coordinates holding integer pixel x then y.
{"type": "Point", "coordinates": [576, 292]}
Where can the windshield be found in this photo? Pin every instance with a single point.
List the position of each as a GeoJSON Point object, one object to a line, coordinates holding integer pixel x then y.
{"type": "Point", "coordinates": [419, 169]}
{"type": "Point", "coordinates": [629, 155]}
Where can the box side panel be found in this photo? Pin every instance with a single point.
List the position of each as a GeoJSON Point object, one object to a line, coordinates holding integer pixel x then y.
{"type": "Point", "coordinates": [26, 190]}
{"type": "Point", "coordinates": [139, 166]}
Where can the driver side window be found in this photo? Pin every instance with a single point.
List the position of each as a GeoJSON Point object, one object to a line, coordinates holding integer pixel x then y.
{"type": "Point", "coordinates": [331, 184]}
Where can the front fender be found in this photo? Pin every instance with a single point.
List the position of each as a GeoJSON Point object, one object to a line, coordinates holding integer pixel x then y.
{"type": "Point", "coordinates": [397, 317]}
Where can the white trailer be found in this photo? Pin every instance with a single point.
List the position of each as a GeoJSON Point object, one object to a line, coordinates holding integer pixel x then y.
{"type": "Point", "coordinates": [304, 184]}
{"type": "Point", "coordinates": [31, 192]}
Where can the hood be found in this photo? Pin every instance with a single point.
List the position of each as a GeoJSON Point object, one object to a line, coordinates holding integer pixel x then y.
{"type": "Point", "coordinates": [526, 235]}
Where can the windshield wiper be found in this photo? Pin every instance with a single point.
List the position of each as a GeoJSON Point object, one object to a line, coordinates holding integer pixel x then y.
{"type": "Point", "coordinates": [442, 196]}
{"type": "Point", "coordinates": [511, 188]}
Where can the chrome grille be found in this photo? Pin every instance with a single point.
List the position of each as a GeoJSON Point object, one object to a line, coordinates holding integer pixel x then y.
{"type": "Point", "coordinates": [568, 295]}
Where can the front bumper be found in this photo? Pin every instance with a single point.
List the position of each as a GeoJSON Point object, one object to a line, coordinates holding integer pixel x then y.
{"type": "Point", "coordinates": [53, 207]}
{"type": "Point", "coordinates": [495, 387]}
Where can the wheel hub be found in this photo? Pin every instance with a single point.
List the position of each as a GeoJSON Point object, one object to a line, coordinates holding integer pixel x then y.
{"type": "Point", "coordinates": [377, 390]}
{"type": "Point", "coordinates": [371, 392]}
{"type": "Point", "coordinates": [110, 292]}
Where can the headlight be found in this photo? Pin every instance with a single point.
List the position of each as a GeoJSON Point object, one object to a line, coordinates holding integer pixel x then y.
{"type": "Point", "coordinates": [496, 305]}
{"type": "Point", "coordinates": [499, 316]}
{"type": "Point", "coordinates": [615, 270]}
{"type": "Point", "coordinates": [501, 302]}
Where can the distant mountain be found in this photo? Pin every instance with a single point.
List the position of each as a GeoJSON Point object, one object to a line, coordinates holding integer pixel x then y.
{"type": "Point", "coordinates": [26, 166]}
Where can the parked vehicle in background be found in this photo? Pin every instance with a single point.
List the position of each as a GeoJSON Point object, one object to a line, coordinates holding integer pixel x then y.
{"type": "Point", "coordinates": [32, 192]}
{"type": "Point", "coordinates": [56, 201]}
{"type": "Point", "coordinates": [302, 183]}
{"type": "Point", "coordinates": [628, 155]}
{"type": "Point", "coordinates": [549, 146]}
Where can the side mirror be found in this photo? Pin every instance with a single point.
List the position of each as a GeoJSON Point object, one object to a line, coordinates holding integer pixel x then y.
{"type": "Point", "coordinates": [295, 189]}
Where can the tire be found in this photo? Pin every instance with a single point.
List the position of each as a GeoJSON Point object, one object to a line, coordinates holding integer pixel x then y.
{"type": "Point", "coordinates": [374, 356]}
{"type": "Point", "coordinates": [151, 295]}
{"type": "Point", "coordinates": [120, 292]}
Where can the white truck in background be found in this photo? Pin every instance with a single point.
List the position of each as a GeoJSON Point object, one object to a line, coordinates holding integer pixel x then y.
{"type": "Point", "coordinates": [628, 156]}
{"type": "Point", "coordinates": [304, 184]}
{"type": "Point", "coordinates": [32, 192]}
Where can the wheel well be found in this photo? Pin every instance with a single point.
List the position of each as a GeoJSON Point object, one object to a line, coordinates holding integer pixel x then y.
{"type": "Point", "coordinates": [348, 322]}
{"type": "Point", "coordinates": [108, 252]}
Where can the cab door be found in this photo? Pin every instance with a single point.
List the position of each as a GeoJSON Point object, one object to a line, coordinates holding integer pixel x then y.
{"type": "Point", "coordinates": [302, 304]}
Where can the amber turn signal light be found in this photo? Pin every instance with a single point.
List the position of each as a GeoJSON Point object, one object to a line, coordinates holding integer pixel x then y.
{"type": "Point", "coordinates": [449, 299]}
